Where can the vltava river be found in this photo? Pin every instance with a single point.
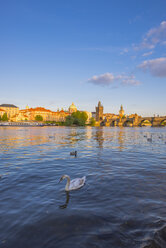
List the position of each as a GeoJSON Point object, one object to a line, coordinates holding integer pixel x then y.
{"type": "Point", "coordinates": [122, 204]}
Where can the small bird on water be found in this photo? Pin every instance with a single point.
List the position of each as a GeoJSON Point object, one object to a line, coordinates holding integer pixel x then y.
{"type": "Point", "coordinates": [73, 153]}
{"type": "Point", "coordinates": [149, 139]}
{"type": "Point", "coordinates": [73, 184]}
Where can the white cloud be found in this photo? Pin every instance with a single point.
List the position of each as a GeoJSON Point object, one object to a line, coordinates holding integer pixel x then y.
{"type": "Point", "coordinates": [147, 54]}
{"type": "Point", "coordinates": [104, 79]}
{"type": "Point", "coordinates": [110, 79]}
{"type": "Point", "coordinates": [157, 67]}
{"type": "Point", "coordinates": [153, 37]}
{"type": "Point", "coordinates": [130, 80]}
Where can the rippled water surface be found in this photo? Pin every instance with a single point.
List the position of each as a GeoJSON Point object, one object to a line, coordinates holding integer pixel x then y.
{"type": "Point", "coordinates": [122, 204]}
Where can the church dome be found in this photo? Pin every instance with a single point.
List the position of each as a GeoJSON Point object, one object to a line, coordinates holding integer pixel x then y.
{"type": "Point", "coordinates": [72, 108]}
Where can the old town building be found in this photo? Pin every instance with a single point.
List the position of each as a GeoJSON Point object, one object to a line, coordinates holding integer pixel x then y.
{"type": "Point", "coordinates": [2, 112]}
{"type": "Point", "coordinates": [30, 114]}
{"type": "Point", "coordinates": [9, 109]}
{"type": "Point", "coordinates": [108, 116]}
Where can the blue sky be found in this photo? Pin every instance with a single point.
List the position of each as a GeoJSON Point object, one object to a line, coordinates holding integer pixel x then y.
{"type": "Point", "coordinates": [56, 52]}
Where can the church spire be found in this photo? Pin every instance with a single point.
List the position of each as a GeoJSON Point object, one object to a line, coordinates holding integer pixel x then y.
{"type": "Point", "coordinates": [121, 111]}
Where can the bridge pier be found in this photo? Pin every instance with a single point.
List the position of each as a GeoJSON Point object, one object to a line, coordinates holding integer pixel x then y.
{"type": "Point", "coordinates": [155, 123]}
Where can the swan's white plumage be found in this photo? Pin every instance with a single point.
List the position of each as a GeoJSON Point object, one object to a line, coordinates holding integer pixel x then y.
{"type": "Point", "coordinates": [73, 184]}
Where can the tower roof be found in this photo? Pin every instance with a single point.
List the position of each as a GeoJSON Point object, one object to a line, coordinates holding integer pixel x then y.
{"type": "Point", "coordinates": [99, 104]}
{"type": "Point", "coordinates": [121, 107]}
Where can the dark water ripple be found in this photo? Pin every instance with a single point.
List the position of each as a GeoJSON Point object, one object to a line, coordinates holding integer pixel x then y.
{"type": "Point", "coordinates": [123, 203]}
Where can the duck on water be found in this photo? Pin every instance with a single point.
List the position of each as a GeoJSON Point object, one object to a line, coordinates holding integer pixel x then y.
{"type": "Point", "coordinates": [73, 184]}
{"type": "Point", "coordinates": [73, 153]}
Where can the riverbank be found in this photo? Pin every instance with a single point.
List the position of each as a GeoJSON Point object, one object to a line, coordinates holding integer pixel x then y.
{"type": "Point", "coordinates": [143, 123]}
{"type": "Point", "coordinates": [21, 124]}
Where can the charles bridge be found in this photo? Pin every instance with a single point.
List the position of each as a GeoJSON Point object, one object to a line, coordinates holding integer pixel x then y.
{"type": "Point", "coordinates": [126, 121]}
{"type": "Point", "coordinates": [135, 121]}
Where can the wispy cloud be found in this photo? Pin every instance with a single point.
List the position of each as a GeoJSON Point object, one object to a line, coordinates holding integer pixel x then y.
{"type": "Point", "coordinates": [147, 54]}
{"type": "Point", "coordinates": [103, 79]}
{"type": "Point", "coordinates": [130, 80]}
{"type": "Point", "coordinates": [124, 50]}
{"type": "Point", "coordinates": [108, 79]}
{"type": "Point", "coordinates": [153, 37]}
{"type": "Point", "coordinates": [157, 67]}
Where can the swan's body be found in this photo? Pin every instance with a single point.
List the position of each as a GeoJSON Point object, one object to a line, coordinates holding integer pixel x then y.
{"type": "Point", "coordinates": [73, 184]}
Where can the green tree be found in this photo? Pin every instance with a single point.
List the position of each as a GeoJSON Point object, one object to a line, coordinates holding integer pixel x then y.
{"type": "Point", "coordinates": [69, 120]}
{"type": "Point", "coordinates": [38, 118]}
{"type": "Point", "coordinates": [92, 122]}
{"type": "Point", "coordinates": [77, 118]}
{"type": "Point", "coordinates": [0, 118]}
{"type": "Point", "coordinates": [4, 117]}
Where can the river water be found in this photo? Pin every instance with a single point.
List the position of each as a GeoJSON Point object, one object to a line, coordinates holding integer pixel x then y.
{"type": "Point", "coordinates": [122, 204]}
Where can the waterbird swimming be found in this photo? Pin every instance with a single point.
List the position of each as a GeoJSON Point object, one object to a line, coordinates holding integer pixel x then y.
{"type": "Point", "coordinates": [149, 139]}
{"type": "Point", "coordinates": [73, 153]}
{"type": "Point", "coordinates": [73, 184]}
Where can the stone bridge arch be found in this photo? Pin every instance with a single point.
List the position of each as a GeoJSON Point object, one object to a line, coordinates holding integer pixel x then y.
{"type": "Point", "coordinates": [163, 122]}
{"type": "Point", "coordinates": [145, 122]}
{"type": "Point", "coordinates": [128, 123]}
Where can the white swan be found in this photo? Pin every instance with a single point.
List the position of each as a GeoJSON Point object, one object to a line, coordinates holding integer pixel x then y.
{"type": "Point", "coordinates": [73, 184]}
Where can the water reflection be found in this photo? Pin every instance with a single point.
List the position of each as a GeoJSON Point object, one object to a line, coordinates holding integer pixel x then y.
{"type": "Point", "coordinates": [75, 135]}
{"type": "Point", "coordinates": [121, 139]}
{"type": "Point", "coordinates": [89, 133]}
{"type": "Point", "coordinates": [67, 201]}
{"type": "Point", "coordinates": [13, 138]}
{"type": "Point", "coordinates": [17, 137]}
{"type": "Point", "coordinates": [99, 137]}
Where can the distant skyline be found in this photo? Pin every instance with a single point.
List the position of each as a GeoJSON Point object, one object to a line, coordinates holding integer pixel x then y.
{"type": "Point", "coordinates": [56, 52]}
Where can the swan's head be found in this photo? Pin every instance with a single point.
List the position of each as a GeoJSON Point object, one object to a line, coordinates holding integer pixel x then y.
{"type": "Point", "coordinates": [63, 177]}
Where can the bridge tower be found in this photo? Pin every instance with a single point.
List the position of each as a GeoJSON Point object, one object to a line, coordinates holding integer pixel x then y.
{"type": "Point", "coordinates": [99, 112]}
{"type": "Point", "coordinates": [121, 112]}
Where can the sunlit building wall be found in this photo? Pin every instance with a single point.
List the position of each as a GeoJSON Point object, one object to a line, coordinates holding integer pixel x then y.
{"type": "Point", "coordinates": [29, 114]}
{"type": "Point", "coordinates": [10, 109]}
{"type": "Point", "coordinates": [2, 112]}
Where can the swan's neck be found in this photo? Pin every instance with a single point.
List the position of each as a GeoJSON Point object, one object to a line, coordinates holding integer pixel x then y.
{"type": "Point", "coordinates": [68, 183]}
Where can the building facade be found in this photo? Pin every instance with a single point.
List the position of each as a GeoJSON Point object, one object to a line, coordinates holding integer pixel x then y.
{"type": "Point", "coordinates": [9, 109]}
{"type": "Point", "coordinates": [29, 114]}
{"type": "Point", "coordinates": [89, 114]}
{"type": "Point", "coordinates": [2, 112]}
